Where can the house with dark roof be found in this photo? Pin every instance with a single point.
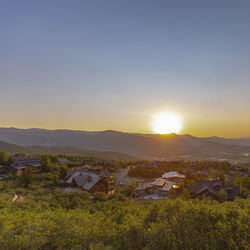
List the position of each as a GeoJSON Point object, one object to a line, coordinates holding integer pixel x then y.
{"type": "Point", "coordinates": [212, 189]}
{"type": "Point", "coordinates": [20, 163]}
{"type": "Point", "coordinates": [159, 187]}
{"type": "Point", "coordinates": [89, 182]}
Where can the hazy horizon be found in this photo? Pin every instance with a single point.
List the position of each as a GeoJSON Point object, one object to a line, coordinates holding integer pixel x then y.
{"type": "Point", "coordinates": [111, 65]}
{"type": "Point", "coordinates": [121, 131]}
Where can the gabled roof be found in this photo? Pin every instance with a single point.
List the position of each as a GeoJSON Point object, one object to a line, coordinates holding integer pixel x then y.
{"type": "Point", "coordinates": [212, 187]}
{"type": "Point", "coordinates": [209, 190]}
{"type": "Point", "coordinates": [144, 185]}
{"type": "Point", "coordinates": [84, 180]}
{"type": "Point", "coordinates": [89, 185]}
{"type": "Point", "coordinates": [22, 162]}
{"type": "Point", "coordinates": [168, 186]}
{"type": "Point", "coordinates": [159, 182]}
{"type": "Point", "coordinates": [202, 185]}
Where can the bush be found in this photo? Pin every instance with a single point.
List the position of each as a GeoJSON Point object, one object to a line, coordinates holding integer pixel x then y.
{"type": "Point", "coordinates": [100, 196]}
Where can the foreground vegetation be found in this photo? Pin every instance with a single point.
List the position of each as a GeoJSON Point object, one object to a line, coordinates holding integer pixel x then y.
{"type": "Point", "coordinates": [50, 218]}
{"type": "Point", "coordinates": [44, 216]}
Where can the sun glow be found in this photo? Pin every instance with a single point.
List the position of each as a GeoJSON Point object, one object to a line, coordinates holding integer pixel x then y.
{"type": "Point", "coordinates": [167, 123]}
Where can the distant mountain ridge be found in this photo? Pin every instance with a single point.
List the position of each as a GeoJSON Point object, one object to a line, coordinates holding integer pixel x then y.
{"type": "Point", "coordinates": [68, 150]}
{"type": "Point", "coordinates": [139, 145]}
{"type": "Point", "coordinates": [244, 141]}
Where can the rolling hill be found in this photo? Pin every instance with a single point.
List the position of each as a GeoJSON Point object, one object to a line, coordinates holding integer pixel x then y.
{"type": "Point", "coordinates": [68, 150]}
{"type": "Point", "coordinates": [138, 145]}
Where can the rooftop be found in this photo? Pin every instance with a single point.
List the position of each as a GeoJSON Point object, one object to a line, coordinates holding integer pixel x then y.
{"type": "Point", "coordinates": [159, 182]}
{"type": "Point", "coordinates": [173, 174]}
{"type": "Point", "coordinates": [144, 185]}
{"type": "Point", "coordinates": [168, 186]}
{"type": "Point", "coordinates": [84, 180]}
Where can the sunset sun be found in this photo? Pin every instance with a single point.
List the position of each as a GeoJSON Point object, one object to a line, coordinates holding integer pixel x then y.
{"type": "Point", "coordinates": [167, 123]}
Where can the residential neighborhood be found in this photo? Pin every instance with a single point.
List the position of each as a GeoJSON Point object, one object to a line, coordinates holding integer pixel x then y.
{"type": "Point", "coordinates": [103, 176]}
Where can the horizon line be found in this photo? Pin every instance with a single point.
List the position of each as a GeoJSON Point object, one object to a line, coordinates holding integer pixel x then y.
{"type": "Point", "coordinates": [125, 132]}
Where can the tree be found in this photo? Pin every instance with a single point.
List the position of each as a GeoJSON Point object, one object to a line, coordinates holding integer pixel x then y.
{"type": "Point", "coordinates": [4, 157]}
{"type": "Point", "coordinates": [222, 195]}
{"type": "Point", "coordinates": [45, 163]}
{"type": "Point", "coordinates": [223, 179]}
{"type": "Point", "coordinates": [128, 190]}
{"type": "Point", "coordinates": [189, 174]}
{"type": "Point", "coordinates": [63, 172]}
{"type": "Point", "coordinates": [55, 178]}
{"type": "Point", "coordinates": [100, 196]}
{"type": "Point", "coordinates": [185, 194]}
{"type": "Point", "coordinates": [244, 192]}
{"type": "Point", "coordinates": [28, 176]}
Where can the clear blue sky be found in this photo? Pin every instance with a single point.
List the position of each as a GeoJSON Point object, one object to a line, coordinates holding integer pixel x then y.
{"type": "Point", "coordinates": [104, 64]}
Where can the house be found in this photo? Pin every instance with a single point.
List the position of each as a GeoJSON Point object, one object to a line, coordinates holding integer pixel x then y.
{"type": "Point", "coordinates": [144, 188]}
{"type": "Point", "coordinates": [20, 163]}
{"type": "Point", "coordinates": [205, 188]}
{"type": "Point", "coordinates": [159, 186]}
{"type": "Point", "coordinates": [212, 189]}
{"type": "Point", "coordinates": [167, 189]}
{"type": "Point", "coordinates": [63, 160]}
{"type": "Point", "coordinates": [173, 176]}
{"type": "Point", "coordinates": [89, 182]}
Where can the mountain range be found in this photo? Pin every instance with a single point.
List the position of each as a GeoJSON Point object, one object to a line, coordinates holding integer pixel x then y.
{"type": "Point", "coordinates": [134, 144]}
{"type": "Point", "coordinates": [65, 150]}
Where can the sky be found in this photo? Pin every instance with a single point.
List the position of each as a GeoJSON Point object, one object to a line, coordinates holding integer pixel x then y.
{"type": "Point", "coordinates": [112, 64]}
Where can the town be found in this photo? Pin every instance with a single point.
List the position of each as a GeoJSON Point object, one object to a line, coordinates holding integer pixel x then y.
{"type": "Point", "coordinates": [151, 180]}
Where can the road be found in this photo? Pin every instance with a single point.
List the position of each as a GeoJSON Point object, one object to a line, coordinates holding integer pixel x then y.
{"type": "Point", "coordinates": [122, 176]}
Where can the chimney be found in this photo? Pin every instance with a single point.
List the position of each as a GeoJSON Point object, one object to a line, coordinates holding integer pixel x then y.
{"type": "Point", "coordinates": [89, 178]}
